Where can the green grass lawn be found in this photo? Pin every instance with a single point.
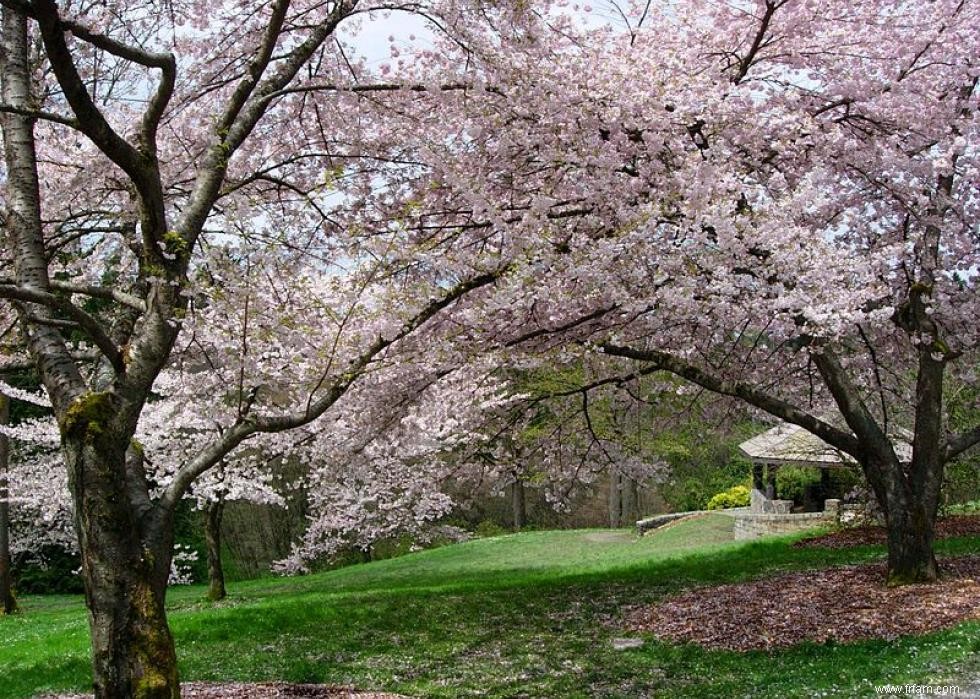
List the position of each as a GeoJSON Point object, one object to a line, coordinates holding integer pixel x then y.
{"type": "Point", "coordinates": [531, 614]}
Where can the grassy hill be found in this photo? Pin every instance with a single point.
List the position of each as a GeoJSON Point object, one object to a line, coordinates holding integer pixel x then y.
{"type": "Point", "coordinates": [531, 614]}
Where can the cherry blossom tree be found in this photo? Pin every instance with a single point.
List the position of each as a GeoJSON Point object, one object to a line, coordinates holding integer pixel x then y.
{"type": "Point", "coordinates": [36, 491]}
{"type": "Point", "coordinates": [847, 243]}
{"type": "Point", "coordinates": [171, 131]}
{"type": "Point", "coordinates": [9, 604]}
{"type": "Point", "coordinates": [33, 488]}
{"type": "Point", "coordinates": [776, 201]}
{"type": "Point", "coordinates": [749, 197]}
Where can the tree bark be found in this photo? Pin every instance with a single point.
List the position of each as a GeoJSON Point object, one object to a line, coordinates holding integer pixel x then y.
{"type": "Point", "coordinates": [125, 565]}
{"type": "Point", "coordinates": [911, 534]}
{"type": "Point", "coordinates": [7, 600]}
{"type": "Point", "coordinates": [212, 536]}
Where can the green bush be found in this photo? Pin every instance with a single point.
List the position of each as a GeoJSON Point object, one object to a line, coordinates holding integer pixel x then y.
{"type": "Point", "coordinates": [488, 528]}
{"type": "Point", "coordinates": [736, 496]}
{"type": "Point", "coordinates": [963, 508]}
{"type": "Point", "coordinates": [960, 481]}
{"type": "Point", "coordinates": [792, 482]}
{"type": "Point", "coordinates": [804, 485]}
{"type": "Point", "coordinates": [703, 460]}
{"type": "Point", "coordinates": [49, 571]}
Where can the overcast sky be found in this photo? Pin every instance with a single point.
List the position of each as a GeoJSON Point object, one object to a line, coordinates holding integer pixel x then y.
{"type": "Point", "coordinates": [373, 37]}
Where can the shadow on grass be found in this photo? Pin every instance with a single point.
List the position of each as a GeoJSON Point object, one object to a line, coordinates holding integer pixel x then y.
{"type": "Point", "coordinates": [727, 564]}
{"type": "Point", "coordinates": [426, 626]}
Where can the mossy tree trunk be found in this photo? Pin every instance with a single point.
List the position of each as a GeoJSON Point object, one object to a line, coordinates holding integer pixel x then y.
{"type": "Point", "coordinates": [126, 544]}
{"type": "Point", "coordinates": [125, 538]}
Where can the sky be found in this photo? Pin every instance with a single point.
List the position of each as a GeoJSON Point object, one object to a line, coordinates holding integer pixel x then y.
{"type": "Point", "coordinates": [372, 39]}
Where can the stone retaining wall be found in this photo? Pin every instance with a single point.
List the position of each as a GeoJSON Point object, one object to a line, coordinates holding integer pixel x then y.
{"type": "Point", "coordinates": [657, 521]}
{"type": "Point", "coordinates": [752, 526]}
{"type": "Point", "coordinates": [749, 524]}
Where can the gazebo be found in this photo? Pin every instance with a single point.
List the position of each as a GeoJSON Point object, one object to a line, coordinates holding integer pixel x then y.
{"type": "Point", "coordinates": [791, 445]}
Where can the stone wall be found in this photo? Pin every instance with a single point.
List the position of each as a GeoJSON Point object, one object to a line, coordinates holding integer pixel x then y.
{"type": "Point", "coordinates": [752, 526]}
{"type": "Point", "coordinates": [650, 523]}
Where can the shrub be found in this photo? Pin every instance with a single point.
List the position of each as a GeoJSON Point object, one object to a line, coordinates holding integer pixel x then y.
{"type": "Point", "coordinates": [964, 508]}
{"type": "Point", "coordinates": [703, 460]}
{"type": "Point", "coordinates": [736, 496]}
{"type": "Point", "coordinates": [792, 482]}
{"type": "Point", "coordinates": [488, 528]}
{"type": "Point", "coordinates": [50, 570]}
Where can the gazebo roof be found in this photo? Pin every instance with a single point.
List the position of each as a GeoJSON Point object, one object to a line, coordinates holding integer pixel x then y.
{"type": "Point", "coordinates": [791, 445]}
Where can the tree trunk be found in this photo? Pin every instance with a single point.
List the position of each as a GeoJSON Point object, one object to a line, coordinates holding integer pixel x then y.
{"type": "Point", "coordinates": [7, 601]}
{"type": "Point", "coordinates": [125, 565]}
{"type": "Point", "coordinates": [518, 503]}
{"type": "Point", "coordinates": [910, 519]}
{"type": "Point", "coordinates": [615, 499]}
{"type": "Point", "coordinates": [212, 537]}
{"type": "Point", "coordinates": [911, 533]}
{"type": "Point", "coordinates": [628, 497]}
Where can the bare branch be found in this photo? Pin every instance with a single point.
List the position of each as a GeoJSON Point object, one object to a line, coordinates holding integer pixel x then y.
{"type": "Point", "coordinates": [41, 114]}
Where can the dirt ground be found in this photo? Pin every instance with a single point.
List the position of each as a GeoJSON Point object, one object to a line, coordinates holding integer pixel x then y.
{"type": "Point", "coordinates": [842, 604]}
{"type": "Point", "coordinates": [959, 525]}
{"type": "Point", "coordinates": [273, 690]}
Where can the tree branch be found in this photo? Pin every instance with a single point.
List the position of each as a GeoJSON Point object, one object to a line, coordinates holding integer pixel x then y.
{"type": "Point", "coordinates": [101, 292]}
{"type": "Point", "coordinates": [249, 426]}
{"type": "Point", "coordinates": [41, 114]}
{"type": "Point", "coordinates": [852, 407]}
{"type": "Point", "coordinates": [745, 63]}
{"type": "Point", "coordinates": [247, 106]}
{"type": "Point", "coordinates": [959, 443]}
{"type": "Point", "coordinates": [379, 87]}
{"type": "Point", "coordinates": [533, 334]}
{"type": "Point", "coordinates": [90, 119]}
{"type": "Point", "coordinates": [774, 406]}
{"type": "Point", "coordinates": [87, 323]}
{"type": "Point", "coordinates": [12, 367]}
